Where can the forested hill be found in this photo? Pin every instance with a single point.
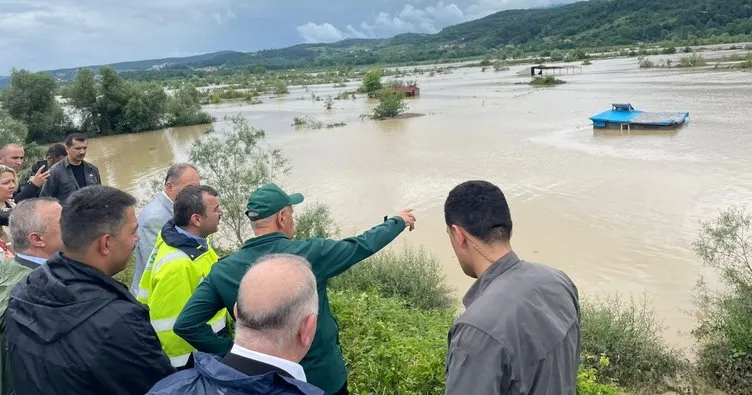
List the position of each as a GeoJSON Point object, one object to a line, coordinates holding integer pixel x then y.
{"type": "Point", "coordinates": [594, 23]}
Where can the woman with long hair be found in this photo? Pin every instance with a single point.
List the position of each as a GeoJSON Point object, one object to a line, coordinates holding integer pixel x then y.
{"type": "Point", "coordinates": [7, 187]}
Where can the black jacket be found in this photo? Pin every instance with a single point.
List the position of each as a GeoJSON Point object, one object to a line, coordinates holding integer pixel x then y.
{"type": "Point", "coordinates": [73, 330]}
{"type": "Point", "coordinates": [62, 183]}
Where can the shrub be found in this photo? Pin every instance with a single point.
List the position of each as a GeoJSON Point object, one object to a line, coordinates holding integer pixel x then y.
{"type": "Point", "coordinates": [390, 105]}
{"type": "Point", "coordinates": [315, 221]}
{"type": "Point", "coordinates": [390, 348]}
{"type": "Point", "coordinates": [588, 382]}
{"type": "Point", "coordinates": [546, 81]}
{"type": "Point", "coordinates": [646, 64]}
{"type": "Point", "coordinates": [411, 275]}
{"type": "Point", "coordinates": [629, 335]}
{"type": "Point", "coordinates": [724, 332]}
{"type": "Point", "coordinates": [693, 59]}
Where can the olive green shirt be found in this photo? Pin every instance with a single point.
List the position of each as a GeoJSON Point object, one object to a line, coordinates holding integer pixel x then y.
{"type": "Point", "coordinates": [324, 366]}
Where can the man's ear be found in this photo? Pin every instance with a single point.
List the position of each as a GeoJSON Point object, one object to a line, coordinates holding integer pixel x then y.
{"type": "Point", "coordinates": [307, 330]}
{"type": "Point", "coordinates": [235, 310]}
{"type": "Point", "coordinates": [460, 237]}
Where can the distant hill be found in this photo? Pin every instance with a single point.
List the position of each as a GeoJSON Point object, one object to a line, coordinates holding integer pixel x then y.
{"type": "Point", "coordinates": [152, 64]}
{"type": "Point", "coordinates": [595, 23]}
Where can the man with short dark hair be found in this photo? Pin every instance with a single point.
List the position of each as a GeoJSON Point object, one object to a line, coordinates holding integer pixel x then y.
{"type": "Point", "coordinates": [73, 172]}
{"type": "Point", "coordinates": [181, 258]}
{"type": "Point", "coordinates": [71, 328]}
{"type": "Point", "coordinates": [152, 218]}
{"type": "Point", "coordinates": [35, 232]}
{"type": "Point", "coordinates": [276, 314]}
{"type": "Point", "coordinates": [520, 332]}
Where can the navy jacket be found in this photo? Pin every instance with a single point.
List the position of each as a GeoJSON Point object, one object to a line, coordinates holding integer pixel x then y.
{"type": "Point", "coordinates": [212, 376]}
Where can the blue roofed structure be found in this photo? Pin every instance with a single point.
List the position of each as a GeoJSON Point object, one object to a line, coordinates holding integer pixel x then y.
{"type": "Point", "coordinates": [625, 116]}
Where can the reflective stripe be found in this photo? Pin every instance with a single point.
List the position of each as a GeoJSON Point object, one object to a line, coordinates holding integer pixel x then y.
{"type": "Point", "coordinates": [163, 325]}
{"type": "Point", "coordinates": [219, 325]}
{"type": "Point", "coordinates": [173, 255]}
{"type": "Point", "coordinates": [180, 360]}
{"type": "Point", "coordinates": [142, 293]}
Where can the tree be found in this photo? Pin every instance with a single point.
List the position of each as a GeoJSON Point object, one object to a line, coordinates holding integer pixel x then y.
{"type": "Point", "coordinates": [390, 105]}
{"type": "Point", "coordinates": [725, 317]}
{"type": "Point", "coordinates": [115, 94]}
{"type": "Point", "coordinates": [236, 164]}
{"type": "Point", "coordinates": [82, 95]}
{"type": "Point", "coordinates": [371, 81]}
{"type": "Point", "coordinates": [31, 99]}
{"type": "Point", "coordinates": [184, 109]}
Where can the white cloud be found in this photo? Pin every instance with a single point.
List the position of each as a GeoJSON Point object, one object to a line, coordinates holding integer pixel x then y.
{"type": "Point", "coordinates": [323, 33]}
{"type": "Point", "coordinates": [419, 16]}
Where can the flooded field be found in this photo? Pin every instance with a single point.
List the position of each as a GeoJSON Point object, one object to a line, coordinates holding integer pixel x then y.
{"type": "Point", "coordinates": [618, 213]}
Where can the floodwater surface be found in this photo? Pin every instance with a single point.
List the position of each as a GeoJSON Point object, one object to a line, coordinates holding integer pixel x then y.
{"type": "Point", "coordinates": [617, 213]}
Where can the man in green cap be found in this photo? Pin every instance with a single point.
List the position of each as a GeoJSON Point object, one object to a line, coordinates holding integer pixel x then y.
{"type": "Point", "coordinates": [270, 210]}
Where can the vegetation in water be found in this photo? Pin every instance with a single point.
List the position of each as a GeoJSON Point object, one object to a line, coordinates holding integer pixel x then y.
{"type": "Point", "coordinates": [391, 104]}
{"type": "Point", "coordinates": [111, 106]}
{"type": "Point", "coordinates": [548, 80]}
{"type": "Point", "coordinates": [724, 330]}
{"type": "Point", "coordinates": [371, 82]}
{"type": "Point", "coordinates": [693, 59]}
{"type": "Point", "coordinates": [312, 123]}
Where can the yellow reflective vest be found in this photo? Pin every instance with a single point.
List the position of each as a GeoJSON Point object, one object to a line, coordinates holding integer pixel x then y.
{"type": "Point", "coordinates": [177, 264]}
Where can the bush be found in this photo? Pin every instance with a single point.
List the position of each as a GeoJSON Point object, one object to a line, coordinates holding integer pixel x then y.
{"type": "Point", "coordinates": [390, 348]}
{"type": "Point", "coordinates": [315, 221]}
{"type": "Point", "coordinates": [724, 332]}
{"type": "Point", "coordinates": [390, 105]}
{"type": "Point", "coordinates": [629, 335]}
{"type": "Point", "coordinates": [546, 81]}
{"type": "Point", "coordinates": [412, 275]}
{"type": "Point", "coordinates": [588, 382]}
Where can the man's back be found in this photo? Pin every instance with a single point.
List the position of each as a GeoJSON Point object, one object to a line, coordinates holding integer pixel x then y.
{"type": "Point", "coordinates": [324, 363]}
{"type": "Point", "coordinates": [71, 329]}
{"type": "Point", "coordinates": [524, 319]}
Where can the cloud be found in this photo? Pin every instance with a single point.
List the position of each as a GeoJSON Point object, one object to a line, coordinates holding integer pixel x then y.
{"type": "Point", "coordinates": [417, 16]}
{"type": "Point", "coordinates": [320, 33]}
{"type": "Point", "coordinates": [41, 34]}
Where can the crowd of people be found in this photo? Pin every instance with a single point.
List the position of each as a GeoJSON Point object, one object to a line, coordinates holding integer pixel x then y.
{"type": "Point", "coordinates": [254, 322]}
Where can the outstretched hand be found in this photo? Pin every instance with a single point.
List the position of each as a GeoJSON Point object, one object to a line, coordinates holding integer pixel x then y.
{"type": "Point", "coordinates": [409, 217]}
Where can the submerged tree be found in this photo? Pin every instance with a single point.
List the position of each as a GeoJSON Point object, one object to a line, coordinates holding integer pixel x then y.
{"type": "Point", "coordinates": [390, 105]}
{"type": "Point", "coordinates": [236, 163]}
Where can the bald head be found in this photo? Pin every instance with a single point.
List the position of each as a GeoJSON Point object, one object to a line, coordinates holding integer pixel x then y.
{"type": "Point", "coordinates": [12, 155]}
{"type": "Point", "coordinates": [277, 307]}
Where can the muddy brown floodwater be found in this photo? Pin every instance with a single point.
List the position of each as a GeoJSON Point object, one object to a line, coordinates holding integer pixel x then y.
{"type": "Point", "coordinates": [617, 213]}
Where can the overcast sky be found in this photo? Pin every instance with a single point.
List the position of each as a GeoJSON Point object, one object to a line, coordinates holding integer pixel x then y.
{"type": "Point", "coordinates": [51, 34]}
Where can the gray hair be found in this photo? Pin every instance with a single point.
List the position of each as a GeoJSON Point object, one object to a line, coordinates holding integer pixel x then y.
{"type": "Point", "coordinates": [176, 170]}
{"type": "Point", "coordinates": [277, 324]}
{"type": "Point", "coordinates": [25, 219]}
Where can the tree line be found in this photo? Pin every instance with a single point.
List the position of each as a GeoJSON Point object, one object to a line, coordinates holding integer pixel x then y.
{"type": "Point", "coordinates": [35, 108]}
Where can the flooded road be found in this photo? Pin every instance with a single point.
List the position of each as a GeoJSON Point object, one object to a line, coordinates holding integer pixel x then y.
{"type": "Point", "coordinates": [617, 213]}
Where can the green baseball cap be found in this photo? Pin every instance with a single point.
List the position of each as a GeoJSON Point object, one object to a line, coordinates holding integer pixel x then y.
{"type": "Point", "coordinates": [268, 200]}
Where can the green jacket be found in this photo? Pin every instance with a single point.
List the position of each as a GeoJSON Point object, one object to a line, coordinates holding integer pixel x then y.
{"type": "Point", "coordinates": [11, 272]}
{"type": "Point", "coordinates": [323, 365]}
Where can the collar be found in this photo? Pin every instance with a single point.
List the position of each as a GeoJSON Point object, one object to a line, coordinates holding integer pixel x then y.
{"type": "Point", "coordinates": [254, 241]}
{"type": "Point", "coordinates": [167, 197]}
{"type": "Point", "coordinates": [294, 369]}
{"type": "Point", "coordinates": [492, 273]}
{"type": "Point", "coordinates": [201, 240]}
{"type": "Point", "coordinates": [37, 260]}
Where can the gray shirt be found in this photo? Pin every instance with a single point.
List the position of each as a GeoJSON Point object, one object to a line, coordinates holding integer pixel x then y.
{"type": "Point", "coordinates": [151, 219]}
{"type": "Point", "coordinates": [519, 334]}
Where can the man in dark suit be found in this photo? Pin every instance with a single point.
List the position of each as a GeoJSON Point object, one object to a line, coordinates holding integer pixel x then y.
{"type": "Point", "coordinates": [276, 312]}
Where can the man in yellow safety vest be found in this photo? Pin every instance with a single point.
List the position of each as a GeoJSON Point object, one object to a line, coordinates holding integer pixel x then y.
{"type": "Point", "coordinates": [181, 258]}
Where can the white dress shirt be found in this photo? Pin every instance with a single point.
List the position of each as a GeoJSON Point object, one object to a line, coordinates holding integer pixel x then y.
{"type": "Point", "coordinates": [294, 369]}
